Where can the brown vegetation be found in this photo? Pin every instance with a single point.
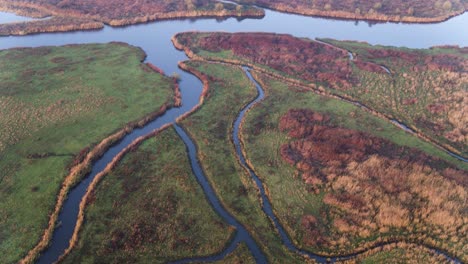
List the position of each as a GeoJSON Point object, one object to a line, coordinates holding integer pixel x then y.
{"type": "Point", "coordinates": [312, 61]}
{"type": "Point", "coordinates": [419, 11]}
{"type": "Point", "coordinates": [373, 187]}
{"type": "Point", "coordinates": [426, 89]}
{"type": "Point", "coordinates": [77, 15]}
{"type": "Point", "coordinates": [54, 24]}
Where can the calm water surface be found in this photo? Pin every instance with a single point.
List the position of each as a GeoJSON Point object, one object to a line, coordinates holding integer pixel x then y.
{"type": "Point", "coordinates": [11, 18]}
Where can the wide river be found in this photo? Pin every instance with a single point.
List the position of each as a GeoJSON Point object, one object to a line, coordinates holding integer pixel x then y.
{"type": "Point", "coordinates": [154, 39]}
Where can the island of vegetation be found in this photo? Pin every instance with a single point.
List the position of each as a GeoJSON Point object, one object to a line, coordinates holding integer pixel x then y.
{"type": "Point", "coordinates": [341, 178]}
{"type": "Point", "coordinates": [80, 15]}
{"type": "Point", "coordinates": [149, 209]}
{"type": "Point", "coordinates": [416, 11]}
{"type": "Point", "coordinates": [212, 134]}
{"type": "Point", "coordinates": [61, 107]}
{"type": "Point", "coordinates": [425, 89]}
{"type": "Point", "coordinates": [180, 223]}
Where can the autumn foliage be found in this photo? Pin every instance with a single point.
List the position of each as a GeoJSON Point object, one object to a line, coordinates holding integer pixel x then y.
{"type": "Point", "coordinates": [425, 88]}
{"type": "Point", "coordinates": [311, 61]}
{"type": "Point", "coordinates": [115, 13]}
{"type": "Point", "coordinates": [419, 11]}
{"type": "Point", "coordinates": [372, 186]}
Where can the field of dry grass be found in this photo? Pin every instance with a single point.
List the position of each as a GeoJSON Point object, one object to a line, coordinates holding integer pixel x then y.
{"type": "Point", "coordinates": [426, 89]}
{"type": "Point", "coordinates": [79, 15]}
{"type": "Point", "coordinates": [416, 11]}
{"type": "Point", "coordinates": [369, 187]}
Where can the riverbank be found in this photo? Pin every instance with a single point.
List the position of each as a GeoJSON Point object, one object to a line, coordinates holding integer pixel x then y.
{"type": "Point", "coordinates": [159, 163]}
{"type": "Point", "coordinates": [359, 81]}
{"type": "Point", "coordinates": [292, 168]}
{"type": "Point", "coordinates": [81, 16]}
{"type": "Point", "coordinates": [57, 106]}
{"type": "Point", "coordinates": [236, 190]}
{"type": "Point", "coordinates": [396, 11]}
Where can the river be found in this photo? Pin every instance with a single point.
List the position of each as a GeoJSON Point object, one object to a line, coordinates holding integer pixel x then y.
{"type": "Point", "coordinates": [154, 39]}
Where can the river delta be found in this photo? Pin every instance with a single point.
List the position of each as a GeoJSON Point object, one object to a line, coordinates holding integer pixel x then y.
{"type": "Point", "coordinates": [263, 194]}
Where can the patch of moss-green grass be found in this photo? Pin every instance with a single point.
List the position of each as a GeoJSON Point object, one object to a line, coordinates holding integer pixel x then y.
{"type": "Point", "coordinates": [55, 102]}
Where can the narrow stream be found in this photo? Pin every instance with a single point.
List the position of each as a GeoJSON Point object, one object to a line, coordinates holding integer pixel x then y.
{"type": "Point", "coordinates": [241, 233]}
{"type": "Point", "coordinates": [411, 131]}
{"type": "Point", "coordinates": [190, 88]}
{"type": "Point", "coordinates": [68, 215]}
{"type": "Point", "coordinates": [266, 204]}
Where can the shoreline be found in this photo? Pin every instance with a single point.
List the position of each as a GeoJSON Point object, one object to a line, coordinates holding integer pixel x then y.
{"type": "Point", "coordinates": [77, 173]}
{"type": "Point", "coordinates": [346, 15]}
{"type": "Point", "coordinates": [81, 214]}
{"type": "Point", "coordinates": [319, 90]}
{"type": "Point", "coordinates": [378, 245]}
{"type": "Point", "coordinates": [80, 171]}
{"type": "Point", "coordinates": [95, 22]}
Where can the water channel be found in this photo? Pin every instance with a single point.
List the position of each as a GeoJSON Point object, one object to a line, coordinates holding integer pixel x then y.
{"type": "Point", "coordinates": [154, 39]}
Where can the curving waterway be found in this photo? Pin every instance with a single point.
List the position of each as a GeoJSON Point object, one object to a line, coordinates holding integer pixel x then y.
{"type": "Point", "coordinates": [241, 233]}
{"type": "Point", "coordinates": [266, 203]}
{"type": "Point", "coordinates": [154, 39]}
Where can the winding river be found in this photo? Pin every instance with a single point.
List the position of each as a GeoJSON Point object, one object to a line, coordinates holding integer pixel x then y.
{"type": "Point", "coordinates": [154, 39]}
{"type": "Point", "coordinates": [266, 204]}
{"type": "Point", "coordinates": [241, 233]}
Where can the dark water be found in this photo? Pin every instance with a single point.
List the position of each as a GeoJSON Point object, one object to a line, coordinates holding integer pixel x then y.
{"type": "Point", "coordinates": [241, 232]}
{"type": "Point", "coordinates": [266, 205]}
{"type": "Point", "coordinates": [154, 38]}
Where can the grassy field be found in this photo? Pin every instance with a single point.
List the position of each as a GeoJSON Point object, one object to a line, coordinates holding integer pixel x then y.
{"type": "Point", "coordinates": [150, 208]}
{"type": "Point", "coordinates": [210, 128]}
{"type": "Point", "coordinates": [426, 89]}
{"type": "Point", "coordinates": [56, 104]}
{"type": "Point", "coordinates": [335, 206]}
